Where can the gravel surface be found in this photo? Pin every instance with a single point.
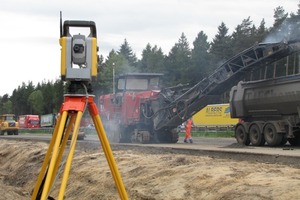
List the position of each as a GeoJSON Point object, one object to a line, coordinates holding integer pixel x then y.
{"type": "Point", "coordinates": [155, 172]}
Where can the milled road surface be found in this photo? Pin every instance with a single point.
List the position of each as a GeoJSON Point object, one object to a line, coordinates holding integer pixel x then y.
{"type": "Point", "coordinates": [215, 147]}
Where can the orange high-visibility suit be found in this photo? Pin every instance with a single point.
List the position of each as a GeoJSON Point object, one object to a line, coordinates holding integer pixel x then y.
{"type": "Point", "coordinates": [188, 128]}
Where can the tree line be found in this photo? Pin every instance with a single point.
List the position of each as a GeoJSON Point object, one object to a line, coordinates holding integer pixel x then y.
{"type": "Point", "coordinates": [184, 63]}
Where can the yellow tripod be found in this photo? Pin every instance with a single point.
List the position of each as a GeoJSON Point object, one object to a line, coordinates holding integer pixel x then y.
{"type": "Point", "coordinates": [71, 113]}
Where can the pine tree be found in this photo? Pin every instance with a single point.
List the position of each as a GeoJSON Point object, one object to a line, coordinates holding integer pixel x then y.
{"type": "Point", "coordinates": [294, 25]}
{"type": "Point", "coordinates": [145, 61]}
{"type": "Point", "coordinates": [201, 60]}
{"type": "Point", "coordinates": [243, 36]}
{"type": "Point", "coordinates": [280, 28]}
{"type": "Point", "coordinates": [178, 63]}
{"type": "Point", "coordinates": [279, 16]}
{"type": "Point", "coordinates": [220, 46]}
{"type": "Point", "coordinates": [5, 104]}
{"type": "Point", "coordinates": [261, 32]}
{"type": "Point", "coordinates": [126, 51]}
{"type": "Point", "coordinates": [152, 60]}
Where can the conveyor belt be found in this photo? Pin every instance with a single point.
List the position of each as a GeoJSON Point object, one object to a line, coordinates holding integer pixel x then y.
{"type": "Point", "coordinates": [178, 108]}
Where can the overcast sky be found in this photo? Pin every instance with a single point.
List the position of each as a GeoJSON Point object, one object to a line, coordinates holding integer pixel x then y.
{"type": "Point", "coordinates": [30, 28]}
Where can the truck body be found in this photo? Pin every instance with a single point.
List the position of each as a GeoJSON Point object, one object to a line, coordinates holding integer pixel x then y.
{"type": "Point", "coordinates": [269, 111]}
{"type": "Point", "coordinates": [214, 116]}
{"type": "Point", "coordinates": [48, 120]}
{"type": "Point", "coordinates": [8, 124]}
{"type": "Point", "coordinates": [29, 121]}
{"type": "Point", "coordinates": [141, 111]}
{"type": "Point", "coordinates": [126, 114]}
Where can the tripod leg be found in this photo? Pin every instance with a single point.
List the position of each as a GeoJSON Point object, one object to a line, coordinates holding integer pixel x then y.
{"type": "Point", "coordinates": [63, 145]}
{"type": "Point", "coordinates": [45, 162]}
{"type": "Point", "coordinates": [70, 156]}
{"type": "Point", "coordinates": [107, 150]}
{"type": "Point", "coordinates": [54, 155]}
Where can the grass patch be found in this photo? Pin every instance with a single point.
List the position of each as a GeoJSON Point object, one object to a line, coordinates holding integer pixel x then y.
{"type": "Point", "coordinates": [36, 131]}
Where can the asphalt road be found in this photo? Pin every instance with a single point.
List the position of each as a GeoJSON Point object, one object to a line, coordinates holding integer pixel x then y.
{"type": "Point", "coordinates": [226, 148]}
{"type": "Point", "coordinates": [213, 142]}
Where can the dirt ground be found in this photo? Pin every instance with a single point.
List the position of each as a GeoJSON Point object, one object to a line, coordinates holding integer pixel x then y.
{"type": "Point", "coordinates": [147, 176]}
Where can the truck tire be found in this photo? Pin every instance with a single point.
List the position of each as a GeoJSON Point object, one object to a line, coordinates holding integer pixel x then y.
{"type": "Point", "coordinates": [167, 137]}
{"type": "Point", "coordinates": [272, 137]}
{"type": "Point", "coordinates": [255, 135]}
{"type": "Point", "coordinates": [294, 141]}
{"type": "Point", "coordinates": [284, 140]}
{"type": "Point", "coordinates": [126, 135]}
{"type": "Point", "coordinates": [241, 135]}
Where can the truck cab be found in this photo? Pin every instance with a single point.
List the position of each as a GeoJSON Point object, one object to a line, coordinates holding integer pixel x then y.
{"type": "Point", "coordinates": [138, 82]}
{"type": "Point", "coordinates": [29, 121]}
{"type": "Point", "coordinates": [8, 124]}
{"type": "Point", "coordinates": [126, 112]}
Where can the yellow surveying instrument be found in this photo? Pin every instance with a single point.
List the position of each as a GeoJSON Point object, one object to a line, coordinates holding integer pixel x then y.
{"type": "Point", "coordinates": [79, 62]}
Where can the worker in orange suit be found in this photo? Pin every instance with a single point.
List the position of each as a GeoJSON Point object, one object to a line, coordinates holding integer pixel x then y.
{"type": "Point", "coordinates": [188, 129]}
